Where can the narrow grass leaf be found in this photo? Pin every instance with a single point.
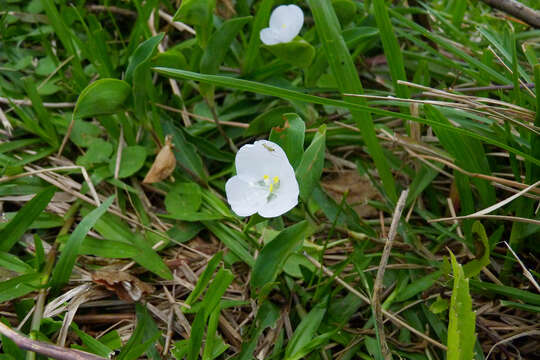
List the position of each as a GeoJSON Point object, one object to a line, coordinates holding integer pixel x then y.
{"type": "Point", "coordinates": [261, 21]}
{"type": "Point", "coordinates": [306, 331]}
{"type": "Point", "coordinates": [391, 48]}
{"type": "Point", "coordinates": [348, 81]}
{"type": "Point", "coordinates": [64, 267]}
{"type": "Point", "coordinates": [24, 218]}
{"type": "Point", "coordinates": [276, 91]}
{"type": "Point", "coordinates": [19, 286]}
{"type": "Point", "coordinates": [205, 278]}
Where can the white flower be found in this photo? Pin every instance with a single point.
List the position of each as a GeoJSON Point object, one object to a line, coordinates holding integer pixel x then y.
{"type": "Point", "coordinates": [265, 181]}
{"type": "Point", "coordinates": [285, 23]}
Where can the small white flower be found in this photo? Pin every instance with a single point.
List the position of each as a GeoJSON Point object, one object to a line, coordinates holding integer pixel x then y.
{"type": "Point", "coordinates": [265, 182]}
{"type": "Point", "coordinates": [285, 23]}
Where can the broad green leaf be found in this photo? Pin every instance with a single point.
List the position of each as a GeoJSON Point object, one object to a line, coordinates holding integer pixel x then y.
{"type": "Point", "coordinates": [267, 120]}
{"type": "Point", "coordinates": [142, 54]}
{"type": "Point", "coordinates": [64, 267]}
{"type": "Point", "coordinates": [132, 160]}
{"type": "Point", "coordinates": [461, 325]}
{"type": "Point", "coordinates": [290, 136]}
{"type": "Point", "coordinates": [99, 151]}
{"type": "Point", "coordinates": [306, 331]}
{"type": "Point", "coordinates": [298, 52]}
{"type": "Point", "coordinates": [310, 169]}
{"type": "Point", "coordinates": [24, 218]}
{"type": "Point", "coordinates": [473, 267]}
{"type": "Point", "coordinates": [273, 256]}
{"type": "Point", "coordinates": [183, 199]}
{"type": "Point", "coordinates": [102, 97]}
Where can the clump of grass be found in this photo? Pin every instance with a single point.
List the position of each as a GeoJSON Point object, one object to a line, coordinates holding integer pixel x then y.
{"type": "Point", "coordinates": [373, 100]}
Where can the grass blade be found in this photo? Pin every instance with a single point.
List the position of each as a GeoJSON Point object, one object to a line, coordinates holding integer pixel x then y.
{"type": "Point", "coordinates": [64, 267]}
{"type": "Point", "coordinates": [24, 218]}
{"type": "Point", "coordinates": [346, 75]}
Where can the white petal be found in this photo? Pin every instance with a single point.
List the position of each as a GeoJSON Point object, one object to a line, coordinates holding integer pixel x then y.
{"type": "Point", "coordinates": [254, 161]}
{"type": "Point", "coordinates": [286, 196]}
{"type": "Point", "coordinates": [269, 36]}
{"type": "Point", "coordinates": [287, 20]}
{"type": "Point", "coordinates": [244, 199]}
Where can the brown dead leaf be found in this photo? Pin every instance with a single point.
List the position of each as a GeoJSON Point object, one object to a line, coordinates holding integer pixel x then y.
{"type": "Point", "coordinates": [126, 286]}
{"type": "Point", "coordinates": [360, 191]}
{"type": "Point", "coordinates": [163, 165]}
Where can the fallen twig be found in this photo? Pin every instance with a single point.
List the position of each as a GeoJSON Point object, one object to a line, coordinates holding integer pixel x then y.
{"type": "Point", "coordinates": [518, 10]}
{"type": "Point", "coordinates": [43, 348]}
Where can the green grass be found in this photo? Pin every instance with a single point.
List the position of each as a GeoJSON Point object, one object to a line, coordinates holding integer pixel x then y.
{"type": "Point", "coordinates": [100, 84]}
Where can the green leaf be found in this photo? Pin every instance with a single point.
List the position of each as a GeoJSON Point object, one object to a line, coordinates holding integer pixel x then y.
{"type": "Point", "coordinates": [64, 267]}
{"type": "Point", "coordinates": [391, 48]}
{"type": "Point", "coordinates": [13, 263]}
{"type": "Point", "coordinates": [290, 136]}
{"type": "Point", "coordinates": [310, 169]}
{"type": "Point", "coordinates": [185, 153]}
{"type": "Point", "coordinates": [183, 199]}
{"type": "Point", "coordinates": [102, 97]}
{"type": "Point", "coordinates": [19, 286]}
{"type": "Point", "coordinates": [145, 335]}
{"type": "Point", "coordinates": [267, 316]}
{"type": "Point", "coordinates": [24, 218]}
{"type": "Point", "coordinates": [219, 44]}
{"type": "Point", "coordinates": [205, 278]}
{"type": "Point", "coordinates": [348, 81]}
{"type": "Point", "coordinates": [262, 16]}
{"type": "Point", "coordinates": [473, 267]}
{"type": "Point", "coordinates": [142, 54]}
{"type": "Point", "coordinates": [273, 256]}
{"type": "Point", "coordinates": [132, 160]}
{"type": "Point", "coordinates": [306, 331]}
{"type": "Point", "coordinates": [149, 259]}
{"type": "Point", "coordinates": [298, 52]}
{"type": "Point", "coordinates": [198, 13]}
{"type": "Point", "coordinates": [236, 241]}
{"type": "Point", "coordinates": [418, 286]}
{"type": "Point", "coordinates": [267, 120]}
{"type": "Point", "coordinates": [468, 153]}
{"type": "Point", "coordinates": [461, 325]}
{"type": "Point", "coordinates": [345, 10]}
{"type": "Point", "coordinates": [276, 91]}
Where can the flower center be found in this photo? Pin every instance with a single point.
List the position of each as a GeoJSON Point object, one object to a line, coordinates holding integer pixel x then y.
{"type": "Point", "coordinates": [283, 26]}
{"type": "Point", "coordinates": [271, 184]}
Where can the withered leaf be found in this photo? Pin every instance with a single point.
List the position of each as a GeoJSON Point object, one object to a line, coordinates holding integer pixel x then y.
{"type": "Point", "coordinates": [126, 286]}
{"type": "Point", "coordinates": [163, 165]}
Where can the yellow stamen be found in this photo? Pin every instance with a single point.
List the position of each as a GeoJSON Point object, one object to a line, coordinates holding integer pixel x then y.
{"type": "Point", "coordinates": [283, 26]}
{"type": "Point", "coordinates": [276, 179]}
{"type": "Point", "coordinates": [266, 177]}
{"type": "Point", "coordinates": [271, 187]}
